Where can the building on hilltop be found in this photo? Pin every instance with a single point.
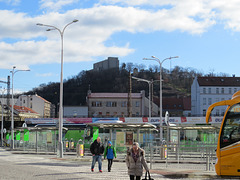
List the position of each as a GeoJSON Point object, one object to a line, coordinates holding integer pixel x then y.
{"type": "Point", "coordinates": [208, 90]}
{"type": "Point", "coordinates": [109, 63]}
{"type": "Point", "coordinates": [36, 103]}
{"type": "Point", "coordinates": [116, 105]}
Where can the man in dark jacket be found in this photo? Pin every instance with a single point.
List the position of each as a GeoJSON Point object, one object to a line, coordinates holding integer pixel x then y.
{"type": "Point", "coordinates": [97, 150]}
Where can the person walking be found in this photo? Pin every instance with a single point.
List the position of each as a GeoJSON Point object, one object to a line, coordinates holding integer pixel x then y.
{"type": "Point", "coordinates": [110, 152]}
{"type": "Point", "coordinates": [135, 161]}
{"type": "Point", "coordinates": [97, 150]}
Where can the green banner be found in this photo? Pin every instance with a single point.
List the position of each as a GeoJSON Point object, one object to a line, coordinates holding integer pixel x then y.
{"type": "Point", "coordinates": [18, 135]}
{"type": "Point", "coordinates": [26, 135]}
{"type": "Point", "coordinates": [95, 133]}
{"type": "Point", "coordinates": [7, 136]}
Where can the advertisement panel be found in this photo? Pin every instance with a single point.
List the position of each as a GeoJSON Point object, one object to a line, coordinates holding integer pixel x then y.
{"type": "Point", "coordinates": [41, 120]}
{"type": "Point", "coordinates": [78, 120]}
{"type": "Point", "coordinates": [216, 120]}
{"type": "Point", "coordinates": [94, 120]}
{"type": "Point", "coordinates": [133, 120]}
{"type": "Point", "coordinates": [172, 120]}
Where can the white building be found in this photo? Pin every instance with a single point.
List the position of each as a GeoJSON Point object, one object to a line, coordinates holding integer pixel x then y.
{"type": "Point", "coordinates": [208, 90]}
{"type": "Point", "coordinates": [36, 103]}
{"type": "Point", "coordinates": [116, 105]}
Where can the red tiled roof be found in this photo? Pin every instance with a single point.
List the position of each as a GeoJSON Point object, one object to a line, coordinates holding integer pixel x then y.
{"type": "Point", "coordinates": [113, 95]}
{"type": "Point", "coordinates": [218, 81]}
{"type": "Point", "coordinates": [23, 109]}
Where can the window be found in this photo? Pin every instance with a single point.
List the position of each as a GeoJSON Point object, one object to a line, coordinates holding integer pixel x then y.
{"type": "Point", "coordinates": [222, 90]}
{"type": "Point", "coordinates": [137, 113]}
{"type": "Point", "coordinates": [230, 90]}
{"type": "Point", "coordinates": [204, 101]}
{"type": "Point", "coordinates": [137, 104]}
{"type": "Point", "coordinates": [124, 104]}
{"type": "Point", "coordinates": [209, 91]}
{"type": "Point", "coordinates": [204, 90]}
{"type": "Point", "coordinates": [217, 99]}
{"type": "Point", "coordinates": [217, 112]}
{"type": "Point", "coordinates": [231, 128]}
{"type": "Point", "coordinates": [217, 91]}
{"type": "Point", "coordinates": [209, 101]}
{"type": "Point", "coordinates": [107, 113]}
{"type": "Point", "coordinates": [235, 90]}
{"type": "Point", "coordinates": [204, 112]}
{"type": "Point", "coordinates": [222, 99]}
{"type": "Point", "coordinates": [222, 112]}
{"type": "Point", "coordinates": [111, 104]}
{"type": "Point", "coordinates": [96, 104]}
{"type": "Point", "coordinates": [24, 101]}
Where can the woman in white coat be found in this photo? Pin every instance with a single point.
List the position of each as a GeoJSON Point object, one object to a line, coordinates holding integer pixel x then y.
{"type": "Point", "coordinates": [135, 161]}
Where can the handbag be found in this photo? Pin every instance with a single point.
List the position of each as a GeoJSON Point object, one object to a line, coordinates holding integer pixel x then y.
{"type": "Point", "coordinates": [147, 176]}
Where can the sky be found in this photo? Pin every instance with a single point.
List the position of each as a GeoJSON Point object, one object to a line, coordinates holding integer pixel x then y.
{"type": "Point", "coordinates": [205, 34]}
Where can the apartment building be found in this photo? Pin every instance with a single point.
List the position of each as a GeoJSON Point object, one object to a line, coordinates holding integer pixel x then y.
{"type": "Point", "coordinates": [36, 103]}
{"type": "Point", "coordinates": [208, 90]}
{"type": "Point", "coordinates": [116, 105]}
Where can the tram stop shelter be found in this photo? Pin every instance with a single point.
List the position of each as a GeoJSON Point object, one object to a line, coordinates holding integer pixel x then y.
{"type": "Point", "coordinates": [114, 126]}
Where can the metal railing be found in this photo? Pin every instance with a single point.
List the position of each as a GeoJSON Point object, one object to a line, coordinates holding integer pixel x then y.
{"type": "Point", "coordinates": [203, 154]}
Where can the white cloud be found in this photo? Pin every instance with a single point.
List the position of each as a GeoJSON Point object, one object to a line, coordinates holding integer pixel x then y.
{"type": "Point", "coordinates": [85, 39]}
{"type": "Point", "coordinates": [11, 2]}
{"type": "Point", "coordinates": [228, 13]}
{"type": "Point", "coordinates": [46, 75]}
{"type": "Point", "coordinates": [55, 5]}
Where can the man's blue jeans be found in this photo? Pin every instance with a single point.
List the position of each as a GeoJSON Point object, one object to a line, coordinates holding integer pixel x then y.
{"type": "Point", "coordinates": [99, 159]}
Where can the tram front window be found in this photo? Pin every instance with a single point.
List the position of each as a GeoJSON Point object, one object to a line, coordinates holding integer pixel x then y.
{"type": "Point", "coordinates": [231, 128]}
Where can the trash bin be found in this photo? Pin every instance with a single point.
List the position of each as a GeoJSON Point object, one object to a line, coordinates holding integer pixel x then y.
{"type": "Point", "coordinates": [66, 145]}
{"type": "Point", "coordinates": [71, 145]}
{"type": "Point", "coordinates": [80, 148]}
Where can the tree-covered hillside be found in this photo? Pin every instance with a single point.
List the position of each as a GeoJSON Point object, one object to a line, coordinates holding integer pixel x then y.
{"type": "Point", "coordinates": [175, 83]}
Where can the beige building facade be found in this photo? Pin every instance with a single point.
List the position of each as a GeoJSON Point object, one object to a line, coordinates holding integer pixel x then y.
{"type": "Point", "coordinates": [116, 105]}
{"type": "Point", "coordinates": [36, 103]}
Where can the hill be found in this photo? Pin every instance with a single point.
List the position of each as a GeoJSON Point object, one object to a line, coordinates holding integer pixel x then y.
{"type": "Point", "coordinates": [175, 83]}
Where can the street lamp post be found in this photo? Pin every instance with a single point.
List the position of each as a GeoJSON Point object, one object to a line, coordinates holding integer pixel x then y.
{"type": "Point", "coordinates": [60, 144]}
{"type": "Point", "coordinates": [12, 122]}
{"type": "Point", "coordinates": [2, 117]}
{"type": "Point", "coordinates": [149, 84]}
{"type": "Point", "coordinates": [160, 91]}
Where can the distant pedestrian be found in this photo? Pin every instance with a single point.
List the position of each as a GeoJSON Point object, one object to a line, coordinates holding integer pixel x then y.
{"type": "Point", "coordinates": [97, 150]}
{"type": "Point", "coordinates": [110, 152]}
{"type": "Point", "coordinates": [135, 161]}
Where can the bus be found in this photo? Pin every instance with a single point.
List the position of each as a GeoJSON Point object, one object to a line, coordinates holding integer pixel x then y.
{"type": "Point", "coordinates": [228, 147]}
